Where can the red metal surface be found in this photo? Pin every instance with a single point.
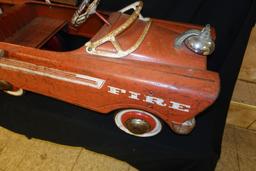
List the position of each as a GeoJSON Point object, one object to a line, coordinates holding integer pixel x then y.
{"type": "Point", "coordinates": [169, 83]}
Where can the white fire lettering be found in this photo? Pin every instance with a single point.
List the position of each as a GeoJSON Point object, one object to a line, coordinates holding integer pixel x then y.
{"type": "Point", "coordinates": [134, 95]}
{"type": "Point", "coordinates": [116, 91]}
{"type": "Point", "coordinates": [179, 106]}
{"type": "Point", "coordinates": [150, 99]}
{"type": "Point", "coordinates": [154, 100]}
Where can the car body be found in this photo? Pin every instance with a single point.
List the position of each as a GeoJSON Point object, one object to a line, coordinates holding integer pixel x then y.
{"type": "Point", "coordinates": [130, 65]}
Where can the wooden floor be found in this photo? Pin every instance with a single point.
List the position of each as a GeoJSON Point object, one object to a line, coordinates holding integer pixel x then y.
{"type": "Point", "coordinates": [238, 147]}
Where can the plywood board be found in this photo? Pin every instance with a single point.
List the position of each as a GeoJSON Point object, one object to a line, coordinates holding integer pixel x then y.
{"type": "Point", "coordinates": [241, 115]}
{"type": "Point", "coordinates": [43, 155]}
{"type": "Point", "coordinates": [14, 150]}
{"type": "Point", "coordinates": [86, 161]}
{"type": "Point", "coordinates": [245, 92]}
{"type": "Point", "coordinates": [228, 159]}
{"type": "Point", "coordinates": [18, 153]}
{"type": "Point", "coordinates": [248, 69]}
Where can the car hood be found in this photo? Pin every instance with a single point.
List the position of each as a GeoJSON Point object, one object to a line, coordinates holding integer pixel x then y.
{"type": "Point", "coordinates": [157, 46]}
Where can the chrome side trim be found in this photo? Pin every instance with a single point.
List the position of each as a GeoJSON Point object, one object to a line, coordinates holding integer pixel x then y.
{"type": "Point", "coordinates": [28, 68]}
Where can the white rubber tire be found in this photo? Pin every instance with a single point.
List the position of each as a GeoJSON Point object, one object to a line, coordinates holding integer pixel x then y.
{"type": "Point", "coordinates": [120, 125]}
{"type": "Point", "coordinates": [19, 92]}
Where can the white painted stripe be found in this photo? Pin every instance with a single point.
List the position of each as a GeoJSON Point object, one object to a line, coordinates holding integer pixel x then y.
{"type": "Point", "coordinates": [52, 73]}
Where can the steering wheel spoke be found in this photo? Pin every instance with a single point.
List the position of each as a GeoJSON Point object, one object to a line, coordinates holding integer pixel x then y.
{"type": "Point", "coordinates": [83, 12]}
{"type": "Point", "coordinates": [92, 46]}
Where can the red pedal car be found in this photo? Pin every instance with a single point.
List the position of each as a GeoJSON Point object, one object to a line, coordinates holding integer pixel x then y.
{"type": "Point", "coordinates": [146, 70]}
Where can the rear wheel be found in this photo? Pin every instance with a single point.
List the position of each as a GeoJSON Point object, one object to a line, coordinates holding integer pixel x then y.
{"type": "Point", "coordinates": [10, 89]}
{"type": "Point", "coordinates": [17, 92]}
{"type": "Point", "coordinates": [138, 123]}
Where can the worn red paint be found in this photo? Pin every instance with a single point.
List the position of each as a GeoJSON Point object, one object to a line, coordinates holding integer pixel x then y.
{"type": "Point", "coordinates": [172, 84]}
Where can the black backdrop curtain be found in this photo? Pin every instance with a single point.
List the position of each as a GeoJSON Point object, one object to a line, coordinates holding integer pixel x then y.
{"type": "Point", "coordinates": [45, 118]}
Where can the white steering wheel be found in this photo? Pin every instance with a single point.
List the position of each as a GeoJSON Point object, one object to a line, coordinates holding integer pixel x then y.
{"type": "Point", "coordinates": [85, 9]}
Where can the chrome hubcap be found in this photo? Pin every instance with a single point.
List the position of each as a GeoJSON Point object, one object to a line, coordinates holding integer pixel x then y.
{"type": "Point", "coordinates": [137, 126]}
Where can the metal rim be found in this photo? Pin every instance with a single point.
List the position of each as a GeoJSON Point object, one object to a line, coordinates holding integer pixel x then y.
{"type": "Point", "coordinates": [140, 120]}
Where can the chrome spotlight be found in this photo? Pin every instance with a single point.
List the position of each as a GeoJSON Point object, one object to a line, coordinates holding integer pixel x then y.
{"type": "Point", "coordinates": [198, 41]}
